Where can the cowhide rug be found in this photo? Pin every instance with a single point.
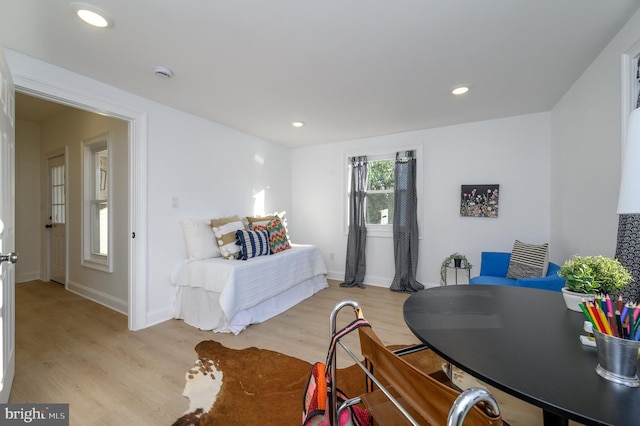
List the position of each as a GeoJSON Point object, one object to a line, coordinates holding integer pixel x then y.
{"type": "Point", "coordinates": [258, 386]}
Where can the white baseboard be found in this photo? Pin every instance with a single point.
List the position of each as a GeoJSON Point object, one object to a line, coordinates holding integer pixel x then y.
{"type": "Point", "coordinates": [104, 299]}
{"type": "Point", "coordinates": [28, 276]}
{"type": "Point", "coordinates": [159, 315]}
{"type": "Point", "coordinates": [369, 280]}
{"type": "Point", "coordinates": [373, 281]}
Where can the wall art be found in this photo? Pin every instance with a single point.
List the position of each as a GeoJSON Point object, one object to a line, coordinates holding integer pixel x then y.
{"type": "Point", "coordinates": [479, 200]}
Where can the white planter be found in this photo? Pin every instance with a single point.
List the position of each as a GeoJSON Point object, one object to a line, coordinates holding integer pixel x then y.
{"type": "Point", "coordinates": [573, 299]}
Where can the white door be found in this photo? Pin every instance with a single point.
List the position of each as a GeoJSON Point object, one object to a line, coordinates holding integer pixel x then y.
{"type": "Point", "coordinates": [57, 209]}
{"type": "Point", "coordinates": [7, 229]}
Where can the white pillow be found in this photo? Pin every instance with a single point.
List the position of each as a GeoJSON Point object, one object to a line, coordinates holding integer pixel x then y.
{"type": "Point", "coordinates": [201, 243]}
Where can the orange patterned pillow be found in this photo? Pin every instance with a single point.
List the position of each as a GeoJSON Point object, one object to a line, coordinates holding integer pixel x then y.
{"type": "Point", "coordinates": [278, 238]}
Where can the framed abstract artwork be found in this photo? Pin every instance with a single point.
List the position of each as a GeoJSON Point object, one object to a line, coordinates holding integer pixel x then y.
{"type": "Point", "coordinates": [479, 200]}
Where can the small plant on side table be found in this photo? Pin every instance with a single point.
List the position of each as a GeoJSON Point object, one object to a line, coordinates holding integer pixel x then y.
{"type": "Point", "coordinates": [447, 262]}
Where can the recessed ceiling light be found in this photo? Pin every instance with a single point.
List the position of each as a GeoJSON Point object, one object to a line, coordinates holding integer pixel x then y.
{"type": "Point", "coordinates": [460, 90]}
{"type": "Point", "coordinates": [92, 15]}
{"type": "Point", "coordinates": [297, 123]}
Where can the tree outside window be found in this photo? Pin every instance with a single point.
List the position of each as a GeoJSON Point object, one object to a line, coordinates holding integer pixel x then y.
{"type": "Point", "coordinates": [380, 196]}
{"type": "Point", "coordinates": [379, 199]}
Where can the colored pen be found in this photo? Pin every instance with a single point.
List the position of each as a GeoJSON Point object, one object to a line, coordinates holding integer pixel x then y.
{"type": "Point", "coordinates": [618, 323]}
{"type": "Point", "coordinates": [624, 312]}
{"type": "Point", "coordinates": [612, 324]}
{"type": "Point", "coordinates": [620, 303]}
{"type": "Point", "coordinates": [605, 323]}
{"type": "Point", "coordinates": [588, 315]}
{"type": "Point", "coordinates": [609, 305]}
{"type": "Point", "coordinates": [623, 323]}
{"type": "Point", "coordinates": [594, 314]}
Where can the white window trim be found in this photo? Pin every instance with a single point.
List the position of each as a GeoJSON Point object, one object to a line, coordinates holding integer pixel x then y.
{"type": "Point", "coordinates": [89, 259]}
{"type": "Point", "coordinates": [381, 231]}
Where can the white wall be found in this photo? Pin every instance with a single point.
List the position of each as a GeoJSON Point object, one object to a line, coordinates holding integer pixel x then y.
{"type": "Point", "coordinates": [585, 157]}
{"type": "Point", "coordinates": [581, 173]}
{"type": "Point", "coordinates": [512, 152]}
{"type": "Point", "coordinates": [211, 169]}
{"type": "Point", "coordinates": [70, 129]}
{"type": "Point", "coordinates": [28, 218]}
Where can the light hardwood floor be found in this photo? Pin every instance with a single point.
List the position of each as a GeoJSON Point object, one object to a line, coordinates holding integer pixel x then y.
{"type": "Point", "coordinates": [71, 350]}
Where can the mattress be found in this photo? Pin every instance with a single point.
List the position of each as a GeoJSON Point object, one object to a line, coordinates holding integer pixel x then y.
{"type": "Point", "coordinates": [227, 295]}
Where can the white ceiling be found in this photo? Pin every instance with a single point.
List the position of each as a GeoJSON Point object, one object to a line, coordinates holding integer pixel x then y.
{"type": "Point", "coordinates": [348, 68]}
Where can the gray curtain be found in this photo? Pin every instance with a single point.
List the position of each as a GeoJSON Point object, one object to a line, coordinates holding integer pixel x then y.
{"type": "Point", "coordinates": [405, 224]}
{"type": "Point", "coordinates": [628, 242]}
{"type": "Point", "coordinates": [357, 240]}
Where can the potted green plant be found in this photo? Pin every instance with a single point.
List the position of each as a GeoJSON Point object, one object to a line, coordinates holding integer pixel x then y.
{"type": "Point", "coordinates": [456, 260]}
{"type": "Point", "coordinates": [587, 275]}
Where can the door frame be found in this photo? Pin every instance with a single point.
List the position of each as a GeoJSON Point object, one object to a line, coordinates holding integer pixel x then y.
{"type": "Point", "coordinates": [138, 245]}
{"type": "Point", "coordinates": [62, 152]}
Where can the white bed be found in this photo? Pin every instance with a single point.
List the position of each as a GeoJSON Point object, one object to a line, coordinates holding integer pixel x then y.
{"type": "Point", "coordinates": [228, 295]}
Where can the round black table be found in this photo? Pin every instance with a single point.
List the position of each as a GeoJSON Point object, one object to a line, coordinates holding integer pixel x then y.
{"type": "Point", "coordinates": [524, 342]}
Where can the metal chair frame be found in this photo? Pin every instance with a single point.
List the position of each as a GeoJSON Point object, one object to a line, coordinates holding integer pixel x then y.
{"type": "Point", "coordinates": [460, 408]}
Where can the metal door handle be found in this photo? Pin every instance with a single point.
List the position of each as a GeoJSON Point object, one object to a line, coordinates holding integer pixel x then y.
{"type": "Point", "coordinates": [48, 226]}
{"type": "Point", "coordinates": [11, 257]}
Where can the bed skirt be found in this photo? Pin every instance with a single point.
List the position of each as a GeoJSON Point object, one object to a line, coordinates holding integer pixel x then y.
{"type": "Point", "coordinates": [200, 308]}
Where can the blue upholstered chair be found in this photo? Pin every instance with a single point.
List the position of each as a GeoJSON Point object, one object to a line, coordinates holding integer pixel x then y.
{"type": "Point", "coordinates": [493, 270]}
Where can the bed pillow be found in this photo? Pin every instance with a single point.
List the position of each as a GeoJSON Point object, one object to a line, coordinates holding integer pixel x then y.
{"type": "Point", "coordinates": [201, 243]}
{"type": "Point", "coordinates": [224, 230]}
{"type": "Point", "coordinates": [253, 244]}
{"type": "Point", "coordinates": [278, 239]}
{"type": "Point", "coordinates": [528, 260]}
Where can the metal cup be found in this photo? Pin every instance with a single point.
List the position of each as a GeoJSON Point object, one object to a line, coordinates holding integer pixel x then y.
{"type": "Point", "coordinates": [617, 359]}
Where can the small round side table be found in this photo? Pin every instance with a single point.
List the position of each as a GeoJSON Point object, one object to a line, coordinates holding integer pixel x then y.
{"type": "Point", "coordinates": [460, 268]}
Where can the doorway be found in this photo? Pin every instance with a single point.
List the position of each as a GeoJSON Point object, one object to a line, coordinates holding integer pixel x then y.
{"type": "Point", "coordinates": [61, 131]}
{"type": "Point", "coordinates": [53, 89]}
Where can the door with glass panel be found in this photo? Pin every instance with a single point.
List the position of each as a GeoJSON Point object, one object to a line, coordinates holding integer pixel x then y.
{"type": "Point", "coordinates": [57, 220]}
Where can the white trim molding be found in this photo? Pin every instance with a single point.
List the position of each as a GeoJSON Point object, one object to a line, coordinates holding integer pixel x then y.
{"type": "Point", "coordinates": [138, 264]}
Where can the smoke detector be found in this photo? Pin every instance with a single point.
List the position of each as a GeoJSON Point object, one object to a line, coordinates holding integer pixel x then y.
{"type": "Point", "coordinates": [163, 72]}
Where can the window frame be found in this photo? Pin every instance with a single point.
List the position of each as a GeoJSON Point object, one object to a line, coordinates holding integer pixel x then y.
{"type": "Point", "coordinates": [90, 180]}
{"type": "Point", "coordinates": [375, 230]}
{"type": "Point", "coordinates": [53, 201]}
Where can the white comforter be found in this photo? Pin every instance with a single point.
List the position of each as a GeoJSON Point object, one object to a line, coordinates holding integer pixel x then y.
{"type": "Point", "coordinates": [243, 284]}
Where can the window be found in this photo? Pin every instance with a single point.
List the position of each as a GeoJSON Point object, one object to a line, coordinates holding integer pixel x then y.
{"type": "Point", "coordinates": [96, 188]}
{"type": "Point", "coordinates": [58, 199]}
{"type": "Point", "coordinates": [379, 198]}
{"type": "Point", "coordinates": [380, 194]}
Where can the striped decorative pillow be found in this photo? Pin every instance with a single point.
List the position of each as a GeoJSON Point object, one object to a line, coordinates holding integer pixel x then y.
{"type": "Point", "coordinates": [224, 229]}
{"type": "Point", "coordinates": [528, 260]}
{"type": "Point", "coordinates": [278, 239]}
{"type": "Point", "coordinates": [252, 244]}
